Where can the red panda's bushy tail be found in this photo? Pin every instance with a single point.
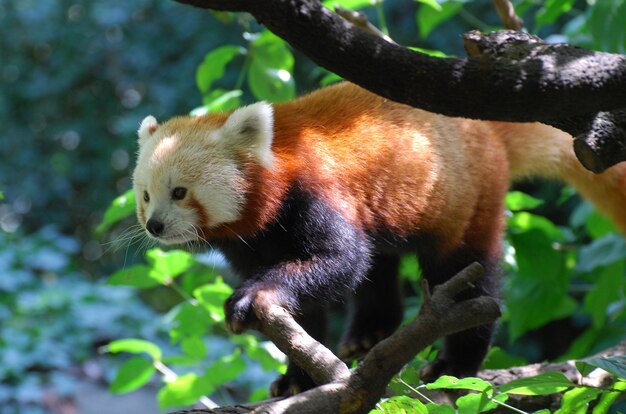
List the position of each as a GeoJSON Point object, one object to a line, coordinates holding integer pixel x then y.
{"type": "Point", "coordinates": [540, 150]}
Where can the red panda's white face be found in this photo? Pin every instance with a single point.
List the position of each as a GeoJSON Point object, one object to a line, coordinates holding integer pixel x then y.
{"type": "Point", "coordinates": [188, 176]}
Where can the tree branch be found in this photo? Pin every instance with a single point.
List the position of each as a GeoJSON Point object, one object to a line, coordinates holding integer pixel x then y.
{"type": "Point", "coordinates": [562, 79]}
{"type": "Point", "coordinates": [597, 378]}
{"type": "Point", "coordinates": [310, 355]}
{"type": "Point", "coordinates": [507, 14]}
{"type": "Point", "coordinates": [359, 390]}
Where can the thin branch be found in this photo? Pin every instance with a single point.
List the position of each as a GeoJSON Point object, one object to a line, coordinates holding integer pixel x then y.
{"type": "Point", "coordinates": [360, 20]}
{"type": "Point", "coordinates": [507, 14]}
{"type": "Point", "coordinates": [310, 355]}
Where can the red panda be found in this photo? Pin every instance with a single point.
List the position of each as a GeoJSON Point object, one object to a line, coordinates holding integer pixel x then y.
{"type": "Point", "coordinates": [310, 198]}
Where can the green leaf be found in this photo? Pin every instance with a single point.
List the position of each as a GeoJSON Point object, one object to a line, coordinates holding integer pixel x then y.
{"type": "Point", "coordinates": [577, 399]}
{"type": "Point", "coordinates": [542, 384]}
{"type": "Point", "coordinates": [609, 288]}
{"type": "Point", "coordinates": [452, 383]}
{"type": "Point", "coordinates": [606, 24]}
{"type": "Point", "coordinates": [580, 213]}
{"type": "Point", "coordinates": [133, 374]}
{"type": "Point", "coordinates": [135, 346]}
{"type": "Point", "coordinates": [516, 200]}
{"type": "Point", "coordinates": [212, 297]}
{"type": "Point", "coordinates": [583, 344]}
{"type": "Point", "coordinates": [552, 10]}
{"type": "Point", "coordinates": [523, 221]}
{"type": "Point", "coordinates": [350, 4]}
{"type": "Point", "coordinates": [497, 358]}
{"type": "Point", "coordinates": [219, 100]}
{"type": "Point", "coordinates": [432, 3]}
{"type": "Point", "coordinates": [601, 252]}
{"type": "Point", "coordinates": [167, 265]}
{"type": "Point", "coordinates": [267, 83]}
{"type": "Point", "coordinates": [194, 347]}
{"type": "Point", "coordinates": [258, 351]}
{"type": "Point", "coordinates": [616, 365]}
{"type": "Point", "coordinates": [330, 78]}
{"type": "Point", "coordinates": [430, 52]}
{"type": "Point", "coordinates": [439, 409]}
{"type": "Point", "coordinates": [608, 398]}
{"type": "Point", "coordinates": [225, 369]}
{"type": "Point", "coordinates": [538, 293]}
{"type": "Point", "coordinates": [121, 207]}
{"type": "Point", "coordinates": [472, 403]}
{"type": "Point", "coordinates": [403, 405]}
{"type": "Point", "coordinates": [260, 394]}
{"type": "Point", "coordinates": [137, 276]}
{"type": "Point", "coordinates": [428, 18]}
{"type": "Point", "coordinates": [491, 405]}
{"type": "Point", "coordinates": [184, 390]}
{"type": "Point", "coordinates": [598, 225]}
{"type": "Point", "coordinates": [273, 50]}
{"type": "Point", "coordinates": [214, 64]}
{"type": "Point", "coordinates": [269, 73]}
{"type": "Point", "coordinates": [410, 268]}
{"type": "Point", "coordinates": [188, 320]}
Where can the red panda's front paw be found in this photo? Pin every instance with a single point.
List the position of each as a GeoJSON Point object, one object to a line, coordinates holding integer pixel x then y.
{"type": "Point", "coordinates": [240, 307]}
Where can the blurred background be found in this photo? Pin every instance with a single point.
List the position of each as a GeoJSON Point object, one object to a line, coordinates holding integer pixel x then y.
{"type": "Point", "coordinates": [76, 79]}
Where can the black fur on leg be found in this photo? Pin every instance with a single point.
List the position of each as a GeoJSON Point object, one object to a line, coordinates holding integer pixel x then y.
{"type": "Point", "coordinates": [377, 308]}
{"type": "Point", "coordinates": [319, 257]}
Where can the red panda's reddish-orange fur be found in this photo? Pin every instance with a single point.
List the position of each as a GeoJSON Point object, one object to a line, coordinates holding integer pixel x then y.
{"type": "Point", "coordinates": [362, 156]}
{"type": "Point", "coordinates": [358, 151]}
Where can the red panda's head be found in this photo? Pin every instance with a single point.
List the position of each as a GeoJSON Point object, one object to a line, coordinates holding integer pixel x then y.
{"type": "Point", "coordinates": [188, 176]}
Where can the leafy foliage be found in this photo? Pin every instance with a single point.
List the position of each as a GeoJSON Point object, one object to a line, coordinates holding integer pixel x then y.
{"type": "Point", "coordinates": [51, 315]}
{"type": "Point", "coordinates": [69, 125]}
{"type": "Point", "coordinates": [484, 397]}
{"type": "Point", "coordinates": [191, 322]}
{"type": "Point", "coordinates": [555, 272]}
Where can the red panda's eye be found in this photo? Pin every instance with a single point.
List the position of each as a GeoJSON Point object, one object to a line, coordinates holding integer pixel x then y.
{"type": "Point", "coordinates": [146, 196]}
{"type": "Point", "coordinates": [179, 193]}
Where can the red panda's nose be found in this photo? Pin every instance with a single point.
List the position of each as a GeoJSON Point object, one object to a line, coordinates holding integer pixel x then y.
{"type": "Point", "coordinates": [155, 227]}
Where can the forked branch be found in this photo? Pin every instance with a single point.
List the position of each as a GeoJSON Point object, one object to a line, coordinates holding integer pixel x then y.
{"type": "Point", "coordinates": [359, 390]}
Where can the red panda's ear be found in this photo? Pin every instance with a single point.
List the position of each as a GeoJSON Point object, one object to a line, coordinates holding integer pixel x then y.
{"type": "Point", "coordinates": [251, 129]}
{"type": "Point", "coordinates": [147, 128]}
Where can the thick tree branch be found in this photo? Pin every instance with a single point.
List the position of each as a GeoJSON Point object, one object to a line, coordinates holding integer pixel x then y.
{"type": "Point", "coordinates": [600, 138]}
{"type": "Point", "coordinates": [561, 80]}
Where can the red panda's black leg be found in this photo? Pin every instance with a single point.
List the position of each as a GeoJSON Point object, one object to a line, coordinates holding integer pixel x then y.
{"type": "Point", "coordinates": [377, 308]}
{"type": "Point", "coordinates": [462, 353]}
{"type": "Point", "coordinates": [310, 253]}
